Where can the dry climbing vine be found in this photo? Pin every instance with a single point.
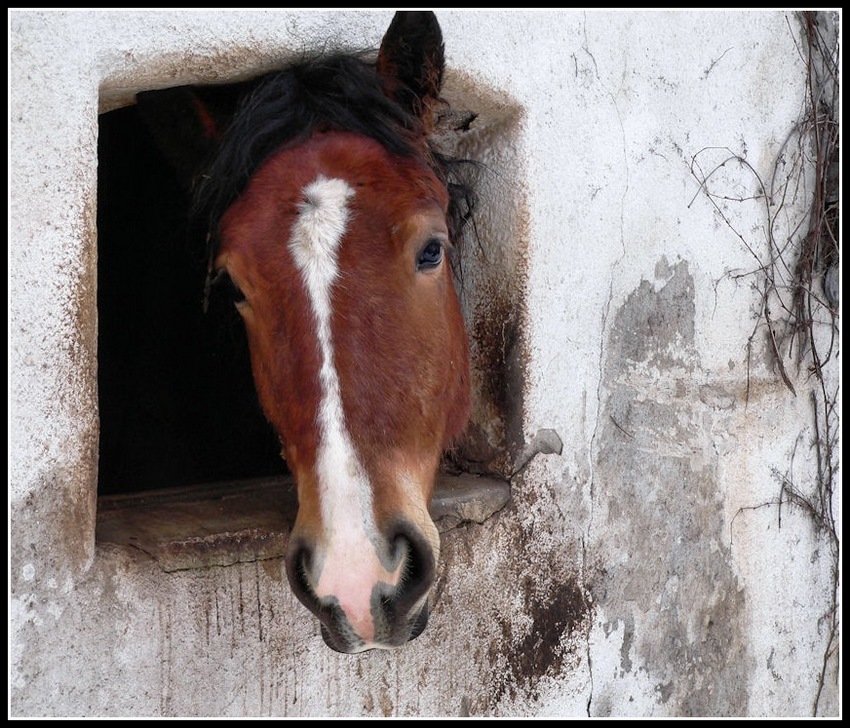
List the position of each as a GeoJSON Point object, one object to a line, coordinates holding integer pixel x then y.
{"type": "Point", "coordinates": [797, 277]}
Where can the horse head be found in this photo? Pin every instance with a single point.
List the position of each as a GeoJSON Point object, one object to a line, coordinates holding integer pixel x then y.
{"type": "Point", "coordinates": [331, 225]}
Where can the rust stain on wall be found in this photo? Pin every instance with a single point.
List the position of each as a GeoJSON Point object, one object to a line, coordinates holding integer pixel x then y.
{"type": "Point", "coordinates": [558, 613]}
{"type": "Point", "coordinates": [498, 359]}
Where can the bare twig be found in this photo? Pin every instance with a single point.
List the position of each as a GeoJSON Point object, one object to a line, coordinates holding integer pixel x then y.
{"type": "Point", "coordinates": [795, 315]}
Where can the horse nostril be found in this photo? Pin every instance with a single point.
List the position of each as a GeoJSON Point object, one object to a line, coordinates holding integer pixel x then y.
{"type": "Point", "coordinates": [419, 571]}
{"type": "Point", "coordinates": [298, 558]}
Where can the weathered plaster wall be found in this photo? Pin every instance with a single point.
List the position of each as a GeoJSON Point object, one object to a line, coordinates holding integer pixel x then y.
{"type": "Point", "coordinates": [624, 578]}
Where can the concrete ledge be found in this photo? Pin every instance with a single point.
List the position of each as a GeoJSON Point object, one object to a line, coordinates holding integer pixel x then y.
{"type": "Point", "coordinates": [224, 523]}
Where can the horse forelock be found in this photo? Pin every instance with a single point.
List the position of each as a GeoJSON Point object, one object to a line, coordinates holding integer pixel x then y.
{"type": "Point", "coordinates": [326, 93]}
{"type": "Point", "coordinates": [338, 92]}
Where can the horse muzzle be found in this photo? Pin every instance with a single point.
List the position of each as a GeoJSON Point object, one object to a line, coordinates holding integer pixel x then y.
{"type": "Point", "coordinates": [374, 601]}
{"type": "Point", "coordinates": [338, 635]}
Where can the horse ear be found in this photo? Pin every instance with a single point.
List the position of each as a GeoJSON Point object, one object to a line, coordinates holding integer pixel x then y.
{"type": "Point", "coordinates": [411, 62]}
{"type": "Point", "coordinates": [187, 122]}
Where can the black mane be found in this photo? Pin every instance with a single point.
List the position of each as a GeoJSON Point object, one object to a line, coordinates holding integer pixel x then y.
{"type": "Point", "coordinates": [338, 92]}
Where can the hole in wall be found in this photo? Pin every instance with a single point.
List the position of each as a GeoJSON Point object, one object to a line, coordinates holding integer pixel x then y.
{"type": "Point", "coordinates": [183, 442]}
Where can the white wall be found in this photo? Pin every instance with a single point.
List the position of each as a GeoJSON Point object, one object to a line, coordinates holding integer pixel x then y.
{"type": "Point", "coordinates": [643, 571]}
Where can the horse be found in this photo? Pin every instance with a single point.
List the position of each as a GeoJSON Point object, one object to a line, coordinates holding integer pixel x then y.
{"type": "Point", "coordinates": [333, 222]}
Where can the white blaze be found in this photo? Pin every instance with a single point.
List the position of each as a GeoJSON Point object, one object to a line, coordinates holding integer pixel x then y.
{"type": "Point", "coordinates": [351, 565]}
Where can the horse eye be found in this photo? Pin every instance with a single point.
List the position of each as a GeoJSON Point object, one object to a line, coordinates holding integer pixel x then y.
{"type": "Point", "coordinates": [225, 282]}
{"type": "Point", "coordinates": [235, 291]}
{"type": "Point", "coordinates": [430, 256]}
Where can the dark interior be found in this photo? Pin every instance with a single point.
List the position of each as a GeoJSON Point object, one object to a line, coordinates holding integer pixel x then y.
{"type": "Point", "coordinates": [177, 401]}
